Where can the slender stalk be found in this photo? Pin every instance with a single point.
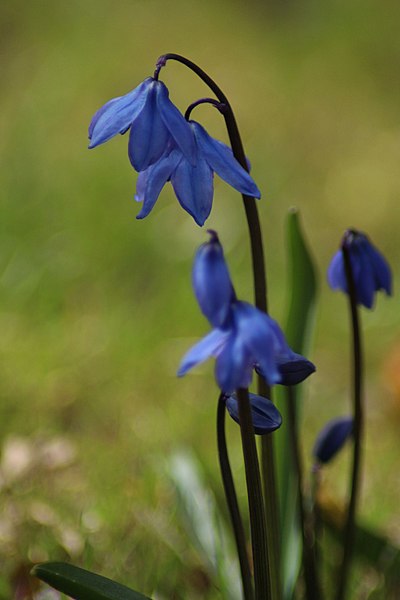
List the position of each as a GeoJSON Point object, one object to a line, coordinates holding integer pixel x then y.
{"type": "Point", "coordinates": [260, 295]}
{"type": "Point", "coordinates": [349, 529]}
{"type": "Point", "coordinates": [306, 517]}
{"type": "Point", "coordinates": [255, 499]}
{"type": "Point", "coordinates": [231, 498]}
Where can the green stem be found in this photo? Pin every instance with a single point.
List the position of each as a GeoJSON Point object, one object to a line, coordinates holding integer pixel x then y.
{"type": "Point", "coordinates": [271, 501]}
{"type": "Point", "coordinates": [350, 526]}
{"type": "Point", "coordinates": [255, 499]}
{"type": "Point", "coordinates": [231, 498]}
{"type": "Point", "coordinates": [306, 516]}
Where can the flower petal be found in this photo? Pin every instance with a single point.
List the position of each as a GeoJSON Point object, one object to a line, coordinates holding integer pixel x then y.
{"type": "Point", "coordinates": [149, 137]}
{"type": "Point", "coordinates": [222, 161]}
{"type": "Point", "coordinates": [265, 416]}
{"type": "Point", "coordinates": [364, 280]}
{"type": "Point", "coordinates": [153, 180]}
{"type": "Point", "coordinates": [211, 282]}
{"type": "Point", "coordinates": [116, 115]}
{"type": "Point", "coordinates": [234, 366]}
{"type": "Point", "coordinates": [295, 370]}
{"type": "Point", "coordinates": [332, 438]}
{"type": "Point", "coordinates": [336, 273]}
{"type": "Point", "coordinates": [381, 269]}
{"type": "Point", "coordinates": [256, 332]}
{"type": "Point", "coordinates": [194, 188]}
{"type": "Point", "coordinates": [176, 124]}
{"type": "Point", "coordinates": [210, 345]}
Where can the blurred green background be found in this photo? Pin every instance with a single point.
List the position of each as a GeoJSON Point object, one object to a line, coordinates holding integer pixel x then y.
{"type": "Point", "coordinates": [97, 308]}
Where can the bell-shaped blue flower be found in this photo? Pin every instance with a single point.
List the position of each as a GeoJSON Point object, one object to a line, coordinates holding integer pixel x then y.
{"type": "Point", "coordinates": [265, 416]}
{"type": "Point", "coordinates": [370, 270]}
{"type": "Point", "coordinates": [332, 438]}
{"type": "Point", "coordinates": [153, 122]}
{"type": "Point", "coordinates": [192, 180]}
{"type": "Point", "coordinates": [243, 337]}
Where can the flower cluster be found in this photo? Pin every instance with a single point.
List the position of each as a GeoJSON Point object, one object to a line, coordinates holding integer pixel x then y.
{"type": "Point", "coordinates": [164, 147]}
{"type": "Point", "coordinates": [243, 338]}
{"type": "Point", "coordinates": [370, 270]}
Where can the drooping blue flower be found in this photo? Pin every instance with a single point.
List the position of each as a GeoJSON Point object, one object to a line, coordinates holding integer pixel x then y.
{"type": "Point", "coordinates": [370, 270]}
{"type": "Point", "coordinates": [265, 416]}
{"type": "Point", "coordinates": [192, 180]}
{"type": "Point", "coordinates": [243, 336]}
{"type": "Point", "coordinates": [332, 438]}
{"type": "Point", "coordinates": [153, 121]}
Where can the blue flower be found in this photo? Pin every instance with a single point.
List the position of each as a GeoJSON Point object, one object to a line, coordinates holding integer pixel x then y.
{"type": "Point", "coordinates": [370, 270]}
{"type": "Point", "coordinates": [265, 416]}
{"type": "Point", "coordinates": [243, 336]}
{"type": "Point", "coordinates": [192, 180]}
{"type": "Point", "coordinates": [153, 121]}
{"type": "Point", "coordinates": [332, 438]}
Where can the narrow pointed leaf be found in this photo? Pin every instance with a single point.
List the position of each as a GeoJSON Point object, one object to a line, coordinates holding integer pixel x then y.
{"type": "Point", "coordinates": [83, 585]}
{"type": "Point", "coordinates": [299, 324]}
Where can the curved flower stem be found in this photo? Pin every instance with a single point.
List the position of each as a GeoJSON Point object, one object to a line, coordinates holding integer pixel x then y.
{"type": "Point", "coordinates": [231, 498]}
{"type": "Point", "coordinates": [260, 295]}
{"type": "Point", "coordinates": [255, 499]}
{"type": "Point", "coordinates": [306, 516]}
{"type": "Point", "coordinates": [349, 530]}
{"type": "Point", "coordinates": [218, 105]}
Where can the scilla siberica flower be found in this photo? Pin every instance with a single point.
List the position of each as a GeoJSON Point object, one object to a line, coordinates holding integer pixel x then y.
{"type": "Point", "coordinates": [243, 336]}
{"type": "Point", "coordinates": [193, 180]}
{"type": "Point", "coordinates": [370, 270]}
{"type": "Point", "coordinates": [163, 147]}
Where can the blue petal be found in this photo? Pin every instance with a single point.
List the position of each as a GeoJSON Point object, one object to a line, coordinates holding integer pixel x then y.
{"type": "Point", "coordinates": [153, 180]}
{"type": "Point", "coordinates": [141, 183]}
{"type": "Point", "coordinates": [176, 124]}
{"type": "Point", "coordinates": [265, 416]}
{"type": "Point", "coordinates": [234, 366]}
{"type": "Point", "coordinates": [295, 370]}
{"type": "Point", "coordinates": [222, 161]}
{"type": "Point", "coordinates": [210, 345]}
{"type": "Point", "coordinates": [332, 438]}
{"type": "Point", "coordinates": [381, 270]}
{"type": "Point", "coordinates": [336, 273]}
{"type": "Point", "coordinates": [212, 283]}
{"type": "Point", "coordinates": [148, 139]}
{"type": "Point", "coordinates": [256, 332]}
{"type": "Point", "coordinates": [194, 188]}
{"type": "Point", "coordinates": [116, 116]}
{"type": "Point", "coordinates": [364, 280]}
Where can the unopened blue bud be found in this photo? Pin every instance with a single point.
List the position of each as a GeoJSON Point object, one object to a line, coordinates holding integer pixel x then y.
{"type": "Point", "coordinates": [265, 416]}
{"type": "Point", "coordinates": [332, 438]}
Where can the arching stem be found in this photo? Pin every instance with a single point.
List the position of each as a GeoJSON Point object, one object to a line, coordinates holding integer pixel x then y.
{"type": "Point", "coordinates": [349, 530]}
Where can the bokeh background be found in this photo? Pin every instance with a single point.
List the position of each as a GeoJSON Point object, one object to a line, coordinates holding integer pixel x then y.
{"type": "Point", "coordinates": [97, 308]}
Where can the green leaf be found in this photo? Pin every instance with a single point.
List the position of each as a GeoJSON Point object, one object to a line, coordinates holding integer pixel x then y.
{"type": "Point", "coordinates": [302, 287]}
{"type": "Point", "coordinates": [83, 585]}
